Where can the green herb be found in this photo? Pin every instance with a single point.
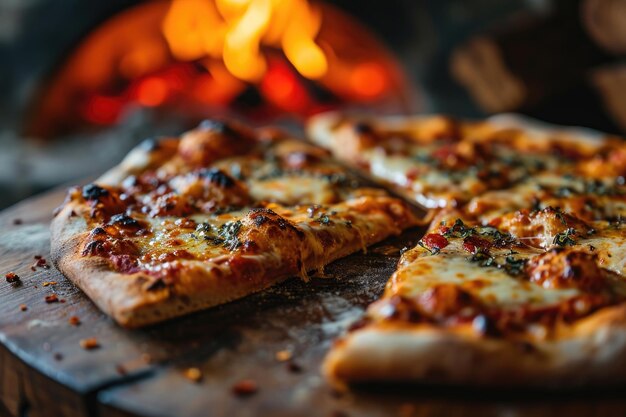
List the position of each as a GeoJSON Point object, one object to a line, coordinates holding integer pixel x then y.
{"type": "Point", "coordinates": [514, 266]}
{"type": "Point", "coordinates": [432, 251]}
{"type": "Point", "coordinates": [483, 258]}
{"type": "Point", "coordinates": [565, 238]}
{"type": "Point", "coordinates": [324, 218]}
{"type": "Point", "coordinates": [228, 233]}
{"type": "Point", "coordinates": [459, 229]}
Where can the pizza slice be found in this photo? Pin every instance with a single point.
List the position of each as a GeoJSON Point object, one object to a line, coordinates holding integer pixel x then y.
{"type": "Point", "coordinates": [442, 162]}
{"type": "Point", "coordinates": [478, 305]}
{"type": "Point", "coordinates": [185, 224]}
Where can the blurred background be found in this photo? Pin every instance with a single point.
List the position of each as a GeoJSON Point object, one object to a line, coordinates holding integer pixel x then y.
{"type": "Point", "coordinates": [82, 82]}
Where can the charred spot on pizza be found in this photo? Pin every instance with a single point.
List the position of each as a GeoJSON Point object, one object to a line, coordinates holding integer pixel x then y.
{"type": "Point", "coordinates": [567, 268]}
{"type": "Point", "coordinates": [98, 231]}
{"type": "Point", "coordinates": [94, 192]}
{"type": "Point", "coordinates": [94, 247]}
{"type": "Point", "coordinates": [363, 128]}
{"type": "Point", "coordinates": [125, 221]}
{"type": "Point", "coordinates": [218, 177]}
{"type": "Point", "coordinates": [271, 226]}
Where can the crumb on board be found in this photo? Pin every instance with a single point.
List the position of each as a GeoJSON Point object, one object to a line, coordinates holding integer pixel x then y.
{"type": "Point", "coordinates": [74, 321]}
{"type": "Point", "coordinates": [58, 356]}
{"type": "Point", "coordinates": [193, 374]}
{"type": "Point", "coordinates": [12, 277]}
{"type": "Point", "coordinates": [294, 367]}
{"type": "Point", "coordinates": [89, 343]}
{"type": "Point", "coordinates": [245, 387]}
{"type": "Point", "coordinates": [23, 307]}
{"type": "Point", "coordinates": [47, 283]}
{"type": "Point", "coordinates": [17, 221]}
{"type": "Point", "coordinates": [52, 298]}
{"type": "Point", "coordinates": [283, 355]}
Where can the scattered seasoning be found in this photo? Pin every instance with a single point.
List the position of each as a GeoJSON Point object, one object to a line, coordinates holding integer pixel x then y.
{"type": "Point", "coordinates": [458, 229]}
{"type": "Point", "coordinates": [323, 219]}
{"type": "Point", "coordinates": [89, 343]}
{"type": "Point", "coordinates": [12, 278]}
{"type": "Point", "coordinates": [565, 238]}
{"type": "Point", "coordinates": [52, 298]}
{"type": "Point", "coordinates": [245, 388]}
{"type": "Point", "coordinates": [58, 356]}
{"type": "Point", "coordinates": [74, 321]}
{"type": "Point", "coordinates": [45, 284]}
{"type": "Point", "coordinates": [193, 374]}
{"type": "Point", "coordinates": [514, 266]}
{"type": "Point", "coordinates": [283, 355]}
{"type": "Point", "coordinates": [40, 262]}
{"type": "Point", "coordinates": [23, 307]}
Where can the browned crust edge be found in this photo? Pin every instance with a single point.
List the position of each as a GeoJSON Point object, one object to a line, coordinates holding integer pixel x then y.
{"type": "Point", "coordinates": [592, 352]}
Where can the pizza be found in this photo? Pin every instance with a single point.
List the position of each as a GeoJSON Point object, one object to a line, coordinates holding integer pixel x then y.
{"type": "Point", "coordinates": [438, 162]}
{"type": "Point", "coordinates": [519, 279]}
{"type": "Point", "coordinates": [183, 224]}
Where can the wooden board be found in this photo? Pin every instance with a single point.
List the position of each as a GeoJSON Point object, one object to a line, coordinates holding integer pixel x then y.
{"type": "Point", "coordinates": [45, 372]}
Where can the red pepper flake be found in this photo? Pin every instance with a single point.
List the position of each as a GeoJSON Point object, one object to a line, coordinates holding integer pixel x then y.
{"type": "Point", "coordinates": [62, 300]}
{"type": "Point", "coordinates": [40, 262]}
{"type": "Point", "coordinates": [52, 298]}
{"type": "Point", "coordinates": [473, 244]}
{"type": "Point", "coordinates": [12, 277]}
{"type": "Point", "coordinates": [435, 241]}
{"type": "Point", "coordinates": [245, 388]}
{"type": "Point", "coordinates": [23, 307]}
{"type": "Point", "coordinates": [74, 321]}
{"type": "Point", "coordinates": [89, 343]}
{"type": "Point", "coordinates": [193, 374]}
{"type": "Point", "coordinates": [45, 284]}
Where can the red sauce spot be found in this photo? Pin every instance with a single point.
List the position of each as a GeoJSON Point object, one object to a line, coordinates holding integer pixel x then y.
{"type": "Point", "coordinates": [435, 241]}
{"type": "Point", "coordinates": [125, 264]}
{"type": "Point", "coordinates": [473, 244]}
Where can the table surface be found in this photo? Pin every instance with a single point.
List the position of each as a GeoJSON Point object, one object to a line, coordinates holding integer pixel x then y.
{"type": "Point", "coordinates": [45, 372]}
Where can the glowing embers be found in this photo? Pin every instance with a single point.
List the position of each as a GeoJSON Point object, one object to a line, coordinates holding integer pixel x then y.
{"type": "Point", "coordinates": [262, 59]}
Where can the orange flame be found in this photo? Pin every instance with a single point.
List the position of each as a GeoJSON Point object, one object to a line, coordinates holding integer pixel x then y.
{"type": "Point", "coordinates": [235, 30]}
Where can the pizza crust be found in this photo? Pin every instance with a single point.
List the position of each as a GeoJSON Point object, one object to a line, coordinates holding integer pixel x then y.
{"type": "Point", "coordinates": [593, 351]}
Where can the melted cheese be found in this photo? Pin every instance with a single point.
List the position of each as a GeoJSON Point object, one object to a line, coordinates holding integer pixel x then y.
{"type": "Point", "coordinates": [493, 286]}
{"type": "Point", "coordinates": [293, 189]}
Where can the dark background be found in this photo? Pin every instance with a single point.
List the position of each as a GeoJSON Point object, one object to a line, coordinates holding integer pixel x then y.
{"type": "Point", "coordinates": [36, 36]}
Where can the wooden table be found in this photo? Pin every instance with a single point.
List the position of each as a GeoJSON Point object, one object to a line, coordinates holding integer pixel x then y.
{"type": "Point", "coordinates": [45, 372]}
